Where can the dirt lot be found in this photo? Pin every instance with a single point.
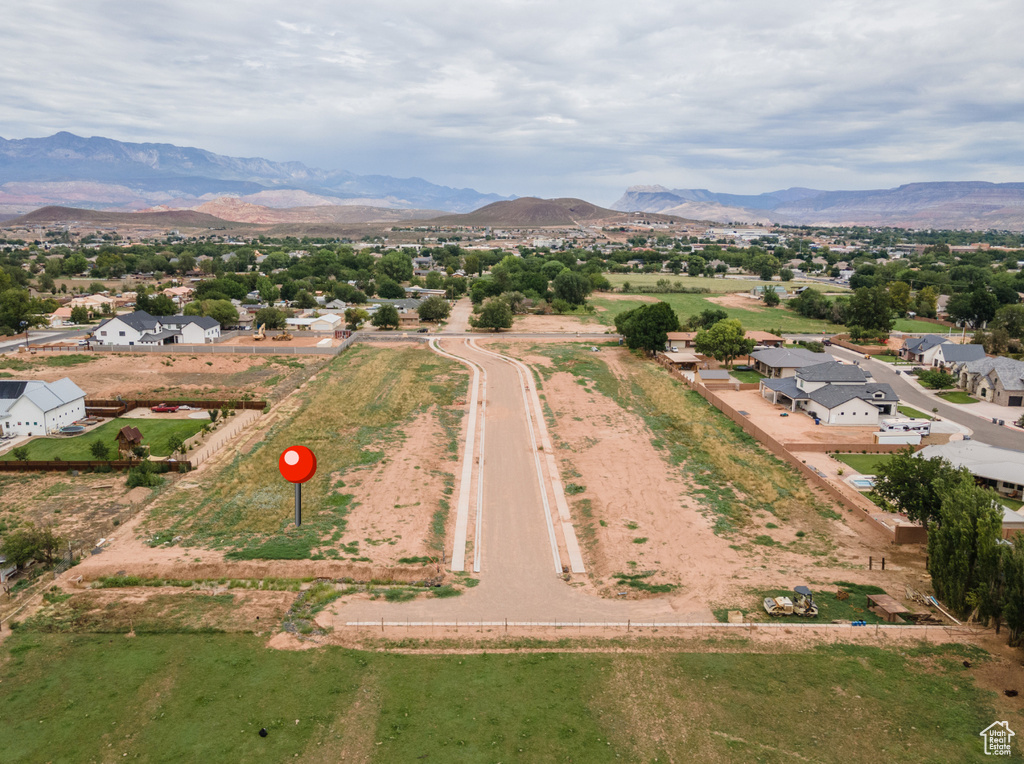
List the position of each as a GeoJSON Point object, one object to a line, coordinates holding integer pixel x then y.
{"type": "Point", "coordinates": [737, 300]}
{"type": "Point", "coordinates": [104, 375]}
{"type": "Point", "coordinates": [795, 428]}
{"type": "Point", "coordinates": [300, 339]}
{"type": "Point", "coordinates": [638, 512]}
{"type": "Point", "coordinates": [559, 324]}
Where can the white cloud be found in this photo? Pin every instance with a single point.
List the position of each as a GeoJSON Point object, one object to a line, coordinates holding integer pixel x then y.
{"type": "Point", "coordinates": [551, 98]}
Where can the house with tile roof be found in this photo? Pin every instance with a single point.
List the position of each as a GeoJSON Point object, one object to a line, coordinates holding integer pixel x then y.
{"type": "Point", "coordinates": [140, 328]}
{"type": "Point", "coordinates": [833, 393]}
{"type": "Point", "coordinates": [34, 407]}
{"type": "Point", "coordinates": [997, 380]}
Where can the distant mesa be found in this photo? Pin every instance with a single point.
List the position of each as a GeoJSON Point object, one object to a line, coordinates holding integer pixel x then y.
{"type": "Point", "coordinates": [971, 205]}
{"type": "Point", "coordinates": [100, 173]}
{"type": "Point", "coordinates": [163, 219]}
{"type": "Point", "coordinates": [538, 213]}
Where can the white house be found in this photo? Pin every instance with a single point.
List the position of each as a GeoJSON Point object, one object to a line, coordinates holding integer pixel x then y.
{"type": "Point", "coordinates": [950, 353]}
{"type": "Point", "coordinates": [1001, 469]}
{"type": "Point", "coordinates": [834, 393]}
{"type": "Point", "coordinates": [32, 407]}
{"type": "Point", "coordinates": [328, 322]}
{"type": "Point", "coordinates": [140, 328]}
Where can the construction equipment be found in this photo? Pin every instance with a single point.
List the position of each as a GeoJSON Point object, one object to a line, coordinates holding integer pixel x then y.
{"type": "Point", "coordinates": [282, 337]}
{"type": "Point", "coordinates": [260, 333]}
{"type": "Point", "coordinates": [803, 605]}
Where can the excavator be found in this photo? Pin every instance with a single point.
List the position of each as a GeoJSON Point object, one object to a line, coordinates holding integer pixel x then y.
{"type": "Point", "coordinates": [282, 337]}
{"type": "Point", "coordinates": [260, 333]}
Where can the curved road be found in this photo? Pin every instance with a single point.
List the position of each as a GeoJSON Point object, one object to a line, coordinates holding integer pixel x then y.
{"type": "Point", "coordinates": [517, 581]}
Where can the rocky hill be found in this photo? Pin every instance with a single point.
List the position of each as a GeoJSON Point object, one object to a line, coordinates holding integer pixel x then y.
{"type": "Point", "coordinates": [531, 212]}
{"type": "Point", "coordinates": [102, 173]}
{"type": "Point", "coordinates": [954, 205]}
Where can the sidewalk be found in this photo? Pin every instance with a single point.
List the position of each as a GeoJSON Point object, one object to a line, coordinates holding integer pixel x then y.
{"type": "Point", "coordinates": [981, 409]}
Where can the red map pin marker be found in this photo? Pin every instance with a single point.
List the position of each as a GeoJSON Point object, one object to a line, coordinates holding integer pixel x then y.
{"type": "Point", "coordinates": [297, 465]}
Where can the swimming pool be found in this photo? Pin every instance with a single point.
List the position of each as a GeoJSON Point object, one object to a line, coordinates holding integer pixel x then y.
{"type": "Point", "coordinates": [862, 482]}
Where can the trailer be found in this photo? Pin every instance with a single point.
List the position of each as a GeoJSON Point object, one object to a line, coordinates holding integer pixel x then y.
{"type": "Point", "coordinates": [906, 424]}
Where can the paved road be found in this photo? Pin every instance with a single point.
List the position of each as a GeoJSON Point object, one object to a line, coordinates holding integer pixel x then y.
{"type": "Point", "coordinates": [984, 430]}
{"type": "Point", "coordinates": [517, 579]}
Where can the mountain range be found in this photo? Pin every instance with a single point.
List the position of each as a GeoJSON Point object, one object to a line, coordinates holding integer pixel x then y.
{"type": "Point", "coordinates": [960, 205]}
{"type": "Point", "coordinates": [101, 173]}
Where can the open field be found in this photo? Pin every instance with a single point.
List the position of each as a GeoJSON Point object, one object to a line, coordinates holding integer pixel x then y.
{"type": "Point", "coordinates": [671, 498]}
{"type": "Point", "coordinates": [156, 434]}
{"type": "Point", "coordinates": [383, 424]}
{"type": "Point", "coordinates": [182, 695]}
{"type": "Point", "coordinates": [757, 316]}
{"type": "Point", "coordinates": [716, 285]}
{"type": "Point", "coordinates": [174, 376]}
{"type": "Point", "coordinates": [865, 464]}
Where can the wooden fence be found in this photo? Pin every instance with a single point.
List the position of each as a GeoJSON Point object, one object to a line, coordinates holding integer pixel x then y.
{"type": "Point", "coordinates": [64, 466]}
{"type": "Point", "coordinates": [124, 405]}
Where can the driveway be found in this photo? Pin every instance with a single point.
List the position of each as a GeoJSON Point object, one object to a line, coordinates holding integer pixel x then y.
{"type": "Point", "coordinates": [517, 579]}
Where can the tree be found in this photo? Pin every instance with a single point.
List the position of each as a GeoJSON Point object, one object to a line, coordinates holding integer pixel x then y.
{"type": "Point", "coordinates": [355, 317]}
{"type": "Point", "coordinates": [270, 318]}
{"type": "Point", "coordinates": [963, 555]}
{"type": "Point", "coordinates": [707, 318]}
{"type": "Point", "coordinates": [899, 296]}
{"type": "Point", "coordinates": [389, 289]}
{"type": "Point", "coordinates": [434, 280]}
{"type": "Point", "coordinates": [305, 300]}
{"type": "Point", "coordinates": [20, 453]}
{"type": "Point", "coordinates": [912, 485]}
{"type": "Point", "coordinates": [32, 543]}
{"type": "Point", "coordinates": [647, 326]}
{"type": "Point", "coordinates": [79, 314]}
{"type": "Point", "coordinates": [761, 263]}
{"type": "Point", "coordinates": [771, 298]}
{"type": "Point", "coordinates": [434, 309]}
{"type": "Point", "coordinates": [397, 266]}
{"type": "Point", "coordinates": [812, 304]}
{"type": "Point", "coordinates": [786, 274]}
{"type": "Point", "coordinates": [1010, 318]}
{"type": "Point", "coordinates": [175, 443]}
{"type": "Point", "coordinates": [926, 304]}
{"type": "Point", "coordinates": [494, 314]}
{"type": "Point", "coordinates": [516, 301]}
{"type": "Point", "coordinates": [725, 341]}
{"type": "Point", "coordinates": [472, 262]}
{"type": "Point", "coordinates": [572, 287]}
{"type": "Point", "coordinates": [222, 311]}
{"type": "Point", "coordinates": [973, 308]}
{"type": "Point", "coordinates": [100, 450]}
{"type": "Point", "coordinates": [1013, 593]}
{"type": "Point", "coordinates": [871, 309]}
{"type": "Point", "coordinates": [386, 317]}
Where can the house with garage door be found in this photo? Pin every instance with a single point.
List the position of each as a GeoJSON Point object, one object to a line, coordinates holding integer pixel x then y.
{"type": "Point", "coordinates": [950, 354]}
{"type": "Point", "coordinates": [140, 328]}
{"type": "Point", "coordinates": [918, 349]}
{"type": "Point", "coordinates": [833, 393]}
{"type": "Point", "coordinates": [998, 380]}
{"type": "Point", "coordinates": [784, 362]}
{"type": "Point", "coordinates": [33, 407]}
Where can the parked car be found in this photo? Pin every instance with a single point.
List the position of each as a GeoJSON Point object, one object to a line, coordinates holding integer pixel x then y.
{"type": "Point", "coordinates": [827, 343]}
{"type": "Point", "coordinates": [423, 330]}
{"type": "Point", "coordinates": [165, 408]}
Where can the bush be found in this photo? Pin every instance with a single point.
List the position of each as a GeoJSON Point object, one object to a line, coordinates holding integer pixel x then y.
{"type": "Point", "coordinates": [21, 453]}
{"type": "Point", "coordinates": [145, 475]}
{"type": "Point", "coordinates": [936, 380]}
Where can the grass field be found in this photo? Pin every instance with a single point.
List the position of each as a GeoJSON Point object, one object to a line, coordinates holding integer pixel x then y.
{"type": "Point", "coordinates": [156, 434]}
{"type": "Point", "coordinates": [957, 396]}
{"type": "Point", "coordinates": [55, 361]}
{"type": "Point", "coordinates": [865, 464]}
{"type": "Point", "coordinates": [204, 697]}
{"type": "Point", "coordinates": [348, 416]}
{"type": "Point", "coordinates": [914, 325]}
{"type": "Point", "coordinates": [913, 413]}
{"type": "Point", "coordinates": [757, 316]}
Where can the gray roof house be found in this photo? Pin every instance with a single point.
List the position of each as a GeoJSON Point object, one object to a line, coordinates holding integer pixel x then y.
{"type": "Point", "coordinates": [999, 468]}
{"type": "Point", "coordinates": [914, 348]}
{"type": "Point", "coordinates": [834, 393]}
{"type": "Point", "coordinates": [998, 380]}
{"type": "Point", "coordinates": [140, 328]}
{"type": "Point", "coordinates": [950, 353]}
{"type": "Point", "coordinates": [33, 407]}
{"type": "Point", "coordinates": [783, 362]}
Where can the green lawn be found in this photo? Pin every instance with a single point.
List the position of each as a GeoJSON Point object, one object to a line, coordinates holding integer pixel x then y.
{"type": "Point", "coordinates": [1011, 503]}
{"type": "Point", "coordinates": [685, 305]}
{"type": "Point", "coordinates": [957, 396]}
{"type": "Point", "coordinates": [747, 376]}
{"type": "Point", "coordinates": [913, 413]}
{"type": "Point", "coordinates": [155, 433]}
{"type": "Point", "coordinates": [914, 325]}
{"type": "Point", "coordinates": [170, 697]}
{"type": "Point", "coordinates": [865, 464]}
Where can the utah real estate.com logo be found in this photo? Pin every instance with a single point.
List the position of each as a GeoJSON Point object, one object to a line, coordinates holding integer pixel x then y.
{"type": "Point", "coordinates": [997, 738]}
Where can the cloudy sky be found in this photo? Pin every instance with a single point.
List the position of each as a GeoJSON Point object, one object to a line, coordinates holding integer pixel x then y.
{"type": "Point", "coordinates": [555, 98]}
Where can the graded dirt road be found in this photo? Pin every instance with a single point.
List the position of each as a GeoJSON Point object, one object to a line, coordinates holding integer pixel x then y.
{"type": "Point", "coordinates": [517, 579]}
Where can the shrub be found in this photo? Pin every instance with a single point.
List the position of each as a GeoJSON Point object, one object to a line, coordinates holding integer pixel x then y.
{"type": "Point", "coordinates": [145, 475]}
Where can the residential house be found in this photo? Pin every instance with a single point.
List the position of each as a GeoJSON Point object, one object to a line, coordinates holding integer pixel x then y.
{"type": "Point", "coordinates": [948, 354]}
{"type": "Point", "coordinates": [834, 393]}
{"type": "Point", "coordinates": [328, 322]}
{"type": "Point", "coordinates": [33, 407]}
{"type": "Point", "coordinates": [681, 360]}
{"type": "Point", "coordinates": [713, 376]}
{"type": "Point", "coordinates": [765, 339]}
{"type": "Point", "coordinates": [999, 380]}
{"type": "Point", "coordinates": [180, 295]}
{"type": "Point", "coordinates": [783, 362]}
{"type": "Point", "coordinates": [915, 348]}
{"type": "Point", "coordinates": [423, 293]}
{"type": "Point", "coordinates": [61, 316]}
{"type": "Point", "coordinates": [94, 302]}
{"type": "Point", "coordinates": [140, 328]}
{"type": "Point", "coordinates": [1001, 469]}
